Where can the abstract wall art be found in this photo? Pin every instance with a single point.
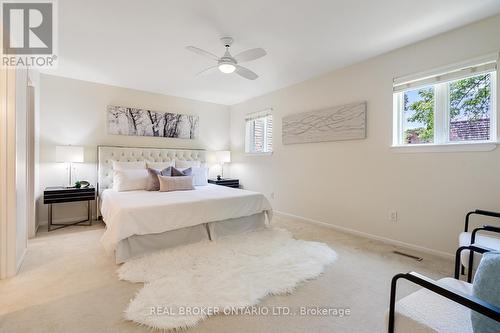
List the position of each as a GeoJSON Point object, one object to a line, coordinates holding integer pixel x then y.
{"type": "Point", "coordinates": [345, 122]}
{"type": "Point", "coordinates": [143, 122]}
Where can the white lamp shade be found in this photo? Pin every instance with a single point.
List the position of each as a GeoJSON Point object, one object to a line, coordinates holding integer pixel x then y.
{"type": "Point", "coordinates": [69, 154]}
{"type": "Point", "coordinates": [210, 157]}
{"type": "Point", "coordinates": [223, 156]}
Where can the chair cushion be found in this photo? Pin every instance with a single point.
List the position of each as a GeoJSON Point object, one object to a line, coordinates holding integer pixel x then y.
{"type": "Point", "coordinates": [486, 287]}
{"type": "Point", "coordinates": [425, 311]}
{"type": "Point", "coordinates": [486, 240]}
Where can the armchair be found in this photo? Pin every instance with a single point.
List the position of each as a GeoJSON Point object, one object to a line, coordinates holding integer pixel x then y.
{"type": "Point", "coordinates": [485, 240]}
{"type": "Point", "coordinates": [440, 306]}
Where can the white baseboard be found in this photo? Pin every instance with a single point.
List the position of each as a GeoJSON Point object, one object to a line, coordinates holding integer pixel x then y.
{"type": "Point", "coordinates": [371, 236]}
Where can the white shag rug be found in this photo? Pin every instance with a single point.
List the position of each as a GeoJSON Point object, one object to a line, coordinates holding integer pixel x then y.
{"type": "Point", "coordinates": [230, 273]}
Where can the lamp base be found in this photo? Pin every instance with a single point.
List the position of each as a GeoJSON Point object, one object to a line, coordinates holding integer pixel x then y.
{"type": "Point", "coordinates": [69, 177]}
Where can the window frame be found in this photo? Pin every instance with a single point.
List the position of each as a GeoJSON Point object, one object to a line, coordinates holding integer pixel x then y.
{"type": "Point", "coordinates": [251, 118]}
{"type": "Point", "coordinates": [442, 140]}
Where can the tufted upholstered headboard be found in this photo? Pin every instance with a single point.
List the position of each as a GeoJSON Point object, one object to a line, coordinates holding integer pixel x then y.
{"type": "Point", "coordinates": [106, 154]}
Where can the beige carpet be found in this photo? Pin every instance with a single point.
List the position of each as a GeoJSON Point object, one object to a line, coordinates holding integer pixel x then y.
{"type": "Point", "coordinates": [68, 284]}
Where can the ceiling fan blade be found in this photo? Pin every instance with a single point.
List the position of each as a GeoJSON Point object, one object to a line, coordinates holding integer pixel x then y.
{"type": "Point", "coordinates": [202, 52]}
{"type": "Point", "coordinates": [245, 72]}
{"type": "Point", "coordinates": [250, 55]}
{"type": "Point", "coordinates": [207, 71]}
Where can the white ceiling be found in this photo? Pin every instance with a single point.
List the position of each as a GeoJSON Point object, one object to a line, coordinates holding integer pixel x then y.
{"type": "Point", "coordinates": [141, 44]}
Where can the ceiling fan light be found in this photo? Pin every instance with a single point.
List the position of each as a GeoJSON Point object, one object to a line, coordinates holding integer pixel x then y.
{"type": "Point", "coordinates": [227, 68]}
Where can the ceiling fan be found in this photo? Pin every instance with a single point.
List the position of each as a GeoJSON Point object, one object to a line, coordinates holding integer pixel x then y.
{"type": "Point", "coordinates": [227, 63]}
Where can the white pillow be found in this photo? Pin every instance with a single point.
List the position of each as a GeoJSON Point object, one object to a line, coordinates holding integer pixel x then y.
{"type": "Point", "coordinates": [118, 165]}
{"type": "Point", "coordinates": [130, 180]}
{"type": "Point", "coordinates": [200, 176]}
{"type": "Point", "coordinates": [159, 165]}
{"type": "Point", "coordinates": [186, 164]}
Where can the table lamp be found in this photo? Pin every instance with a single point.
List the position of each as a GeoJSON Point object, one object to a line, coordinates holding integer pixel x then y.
{"type": "Point", "coordinates": [222, 156]}
{"type": "Point", "coordinates": [69, 154]}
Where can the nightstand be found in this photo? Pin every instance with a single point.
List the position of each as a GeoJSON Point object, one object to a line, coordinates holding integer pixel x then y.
{"type": "Point", "coordinates": [229, 182]}
{"type": "Point", "coordinates": [60, 194]}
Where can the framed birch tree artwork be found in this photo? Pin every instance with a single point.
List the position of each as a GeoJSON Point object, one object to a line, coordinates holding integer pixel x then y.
{"type": "Point", "coordinates": [143, 122]}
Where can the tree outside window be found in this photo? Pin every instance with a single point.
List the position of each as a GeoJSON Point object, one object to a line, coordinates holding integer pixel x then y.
{"type": "Point", "coordinates": [468, 111]}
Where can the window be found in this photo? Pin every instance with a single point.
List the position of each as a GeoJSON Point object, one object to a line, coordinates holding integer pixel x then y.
{"type": "Point", "coordinates": [259, 132]}
{"type": "Point", "coordinates": [456, 106]}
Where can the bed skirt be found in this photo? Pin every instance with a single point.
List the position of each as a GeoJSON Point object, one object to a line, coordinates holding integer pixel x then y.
{"type": "Point", "coordinates": [139, 245]}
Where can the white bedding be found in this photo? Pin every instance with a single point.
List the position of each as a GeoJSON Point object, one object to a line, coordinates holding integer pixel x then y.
{"type": "Point", "coordinates": [149, 212]}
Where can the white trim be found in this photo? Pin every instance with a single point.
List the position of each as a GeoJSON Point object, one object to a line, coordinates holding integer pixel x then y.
{"type": "Point", "coordinates": [445, 148]}
{"type": "Point", "coordinates": [481, 60]}
{"type": "Point", "coordinates": [30, 160]}
{"type": "Point", "coordinates": [396, 119]}
{"type": "Point", "coordinates": [441, 125]}
{"type": "Point", "coordinates": [4, 142]}
{"type": "Point", "coordinates": [259, 114]}
{"type": "Point", "coordinates": [371, 236]}
{"type": "Point", "coordinates": [494, 106]}
{"type": "Point", "coordinates": [446, 77]}
{"type": "Point", "coordinates": [8, 237]}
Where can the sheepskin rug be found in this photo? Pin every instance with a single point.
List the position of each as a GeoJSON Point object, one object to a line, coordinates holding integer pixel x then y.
{"type": "Point", "coordinates": [186, 284]}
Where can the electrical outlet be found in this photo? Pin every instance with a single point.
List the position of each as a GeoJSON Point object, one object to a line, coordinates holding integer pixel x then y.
{"type": "Point", "coordinates": [393, 216]}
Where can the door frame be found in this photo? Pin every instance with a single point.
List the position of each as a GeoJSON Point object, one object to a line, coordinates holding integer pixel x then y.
{"type": "Point", "coordinates": [8, 265]}
{"type": "Point", "coordinates": [30, 158]}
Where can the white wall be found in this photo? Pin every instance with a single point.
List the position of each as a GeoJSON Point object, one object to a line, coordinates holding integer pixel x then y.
{"type": "Point", "coordinates": [354, 184]}
{"type": "Point", "coordinates": [74, 112]}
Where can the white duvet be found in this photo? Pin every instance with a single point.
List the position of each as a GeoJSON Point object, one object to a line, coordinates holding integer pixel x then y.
{"type": "Point", "coordinates": [149, 212]}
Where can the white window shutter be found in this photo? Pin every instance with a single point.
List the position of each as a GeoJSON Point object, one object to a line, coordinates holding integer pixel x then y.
{"type": "Point", "coordinates": [259, 132]}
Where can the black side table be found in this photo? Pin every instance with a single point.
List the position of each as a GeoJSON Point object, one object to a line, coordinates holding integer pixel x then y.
{"type": "Point", "coordinates": [59, 194]}
{"type": "Point", "coordinates": [229, 182]}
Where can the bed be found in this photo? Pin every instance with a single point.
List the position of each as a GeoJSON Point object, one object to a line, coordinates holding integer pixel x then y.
{"type": "Point", "coordinates": [141, 222]}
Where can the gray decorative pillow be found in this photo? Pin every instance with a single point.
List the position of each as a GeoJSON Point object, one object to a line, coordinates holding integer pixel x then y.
{"type": "Point", "coordinates": [153, 183]}
{"type": "Point", "coordinates": [178, 173]}
{"type": "Point", "coordinates": [167, 171]}
{"type": "Point", "coordinates": [487, 288]}
{"type": "Point", "coordinates": [179, 183]}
